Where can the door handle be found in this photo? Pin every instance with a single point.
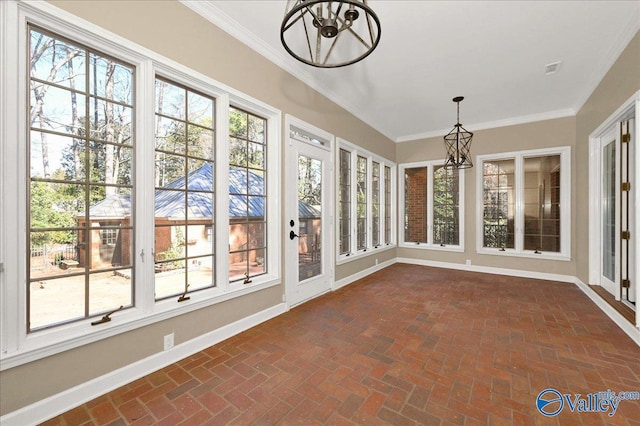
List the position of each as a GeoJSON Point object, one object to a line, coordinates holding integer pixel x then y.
{"type": "Point", "coordinates": [292, 235]}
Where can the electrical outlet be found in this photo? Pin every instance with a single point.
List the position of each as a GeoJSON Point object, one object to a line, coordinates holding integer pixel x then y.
{"type": "Point", "coordinates": [168, 341]}
{"type": "Point", "coordinates": [468, 262]}
{"type": "Point", "coordinates": [376, 261]}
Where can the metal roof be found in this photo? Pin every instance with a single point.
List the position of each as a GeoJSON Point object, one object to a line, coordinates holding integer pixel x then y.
{"type": "Point", "coordinates": [246, 197]}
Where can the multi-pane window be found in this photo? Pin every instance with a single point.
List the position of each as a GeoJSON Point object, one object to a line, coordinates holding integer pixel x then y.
{"type": "Point", "coordinates": [542, 203]}
{"type": "Point", "coordinates": [344, 202]}
{"type": "Point", "coordinates": [498, 195]}
{"type": "Point", "coordinates": [81, 147]}
{"type": "Point", "coordinates": [365, 193]}
{"type": "Point", "coordinates": [433, 207]}
{"type": "Point", "coordinates": [416, 189]}
{"type": "Point", "coordinates": [247, 195]}
{"type": "Point", "coordinates": [446, 205]}
{"type": "Point", "coordinates": [109, 236]}
{"type": "Point", "coordinates": [375, 203]}
{"type": "Point", "coordinates": [387, 205]}
{"type": "Point", "coordinates": [525, 207]}
{"type": "Point", "coordinates": [184, 195]}
{"type": "Point", "coordinates": [361, 203]}
{"type": "Point", "coordinates": [111, 231]}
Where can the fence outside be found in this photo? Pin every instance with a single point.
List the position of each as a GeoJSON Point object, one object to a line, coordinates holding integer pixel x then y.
{"type": "Point", "coordinates": [46, 256]}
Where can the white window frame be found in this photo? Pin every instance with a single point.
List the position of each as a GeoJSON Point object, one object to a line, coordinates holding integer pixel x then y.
{"type": "Point", "coordinates": [565, 204]}
{"type": "Point", "coordinates": [430, 245]}
{"type": "Point", "coordinates": [354, 253]}
{"type": "Point", "coordinates": [16, 346]}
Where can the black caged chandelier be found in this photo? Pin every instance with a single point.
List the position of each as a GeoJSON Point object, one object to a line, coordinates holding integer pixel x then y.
{"type": "Point", "coordinates": [458, 143]}
{"type": "Point", "coordinates": [329, 34]}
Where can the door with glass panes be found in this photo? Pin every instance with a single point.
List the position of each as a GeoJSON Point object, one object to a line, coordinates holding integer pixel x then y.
{"type": "Point", "coordinates": [617, 225]}
{"type": "Point", "coordinates": [309, 191]}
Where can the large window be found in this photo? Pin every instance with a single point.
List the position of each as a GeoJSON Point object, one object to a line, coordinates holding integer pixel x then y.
{"type": "Point", "coordinates": [247, 195]}
{"type": "Point", "coordinates": [525, 203]}
{"type": "Point", "coordinates": [433, 206]}
{"type": "Point", "coordinates": [184, 195]}
{"type": "Point", "coordinates": [115, 210]}
{"type": "Point", "coordinates": [387, 205]}
{"type": "Point", "coordinates": [375, 203]}
{"type": "Point", "coordinates": [446, 206]}
{"type": "Point", "coordinates": [498, 197]}
{"type": "Point", "coordinates": [362, 202]}
{"type": "Point", "coordinates": [81, 147]}
{"type": "Point", "coordinates": [344, 202]}
{"type": "Point", "coordinates": [365, 223]}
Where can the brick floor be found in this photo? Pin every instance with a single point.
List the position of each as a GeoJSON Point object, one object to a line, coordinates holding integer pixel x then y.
{"type": "Point", "coordinates": [406, 345]}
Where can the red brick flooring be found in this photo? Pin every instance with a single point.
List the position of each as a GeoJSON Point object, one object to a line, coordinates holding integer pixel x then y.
{"type": "Point", "coordinates": [406, 345]}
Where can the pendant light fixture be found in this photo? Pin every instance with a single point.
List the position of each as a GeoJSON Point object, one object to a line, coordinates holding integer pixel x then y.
{"type": "Point", "coordinates": [458, 143]}
{"type": "Point", "coordinates": [329, 34]}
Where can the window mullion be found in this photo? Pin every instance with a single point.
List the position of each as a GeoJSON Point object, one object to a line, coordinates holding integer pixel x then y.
{"type": "Point", "coordinates": [382, 236]}
{"type": "Point", "coordinates": [12, 212]}
{"type": "Point", "coordinates": [145, 193]}
{"type": "Point", "coordinates": [381, 207]}
{"type": "Point", "coordinates": [221, 167]}
{"type": "Point", "coordinates": [430, 215]}
{"type": "Point", "coordinates": [354, 202]}
{"type": "Point", "coordinates": [369, 203]}
{"type": "Point", "coordinates": [402, 205]}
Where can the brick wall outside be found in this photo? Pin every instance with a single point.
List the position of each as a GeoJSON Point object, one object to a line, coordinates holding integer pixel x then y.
{"type": "Point", "coordinates": [416, 204]}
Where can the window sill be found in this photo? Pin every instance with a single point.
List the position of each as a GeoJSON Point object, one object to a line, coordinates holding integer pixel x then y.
{"type": "Point", "coordinates": [342, 259]}
{"type": "Point", "coordinates": [425, 246]}
{"type": "Point", "coordinates": [527, 254]}
{"type": "Point", "coordinates": [50, 342]}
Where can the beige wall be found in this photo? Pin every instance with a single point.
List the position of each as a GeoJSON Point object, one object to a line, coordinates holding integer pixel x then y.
{"type": "Point", "coordinates": [542, 134]}
{"type": "Point", "coordinates": [619, 84]}
{"type": "Point", "coordinates": [354, 266]}
{"type": "Point", "coordinates": [173, 30]}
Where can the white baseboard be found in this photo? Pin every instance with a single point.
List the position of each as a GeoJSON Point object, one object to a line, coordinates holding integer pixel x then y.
{"type": "Point", "coordinates": [71, 398]}
{"type": "Point", "coordinates": [621, 321]}
{"type": "Point", "coordinates": [351, 278]}
{"type": "Point", "coordinates": [490, 270]}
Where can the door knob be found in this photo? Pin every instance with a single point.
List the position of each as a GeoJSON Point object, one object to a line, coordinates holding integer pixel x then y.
{"type": "Point", "coordinates": [292, 235]}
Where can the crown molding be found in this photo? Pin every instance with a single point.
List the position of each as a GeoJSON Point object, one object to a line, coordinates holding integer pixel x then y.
{"type": "Point", "coordinates": [523, 119]}
{"type": "Point", "coordinates": [628, 32]}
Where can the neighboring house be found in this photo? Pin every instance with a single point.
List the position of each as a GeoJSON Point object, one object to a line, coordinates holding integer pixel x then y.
{"type": "Point", "coordinates": [110, 219]}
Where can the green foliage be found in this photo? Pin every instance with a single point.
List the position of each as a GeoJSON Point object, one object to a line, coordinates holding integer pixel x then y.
{"type": "Point", "coordinates": [247, 137]}
{"type": "Point", "coordinates": [50, 209]}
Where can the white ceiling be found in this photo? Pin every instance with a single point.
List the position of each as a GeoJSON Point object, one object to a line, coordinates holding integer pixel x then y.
{"type": "Point", "coordinates": [491, 52]}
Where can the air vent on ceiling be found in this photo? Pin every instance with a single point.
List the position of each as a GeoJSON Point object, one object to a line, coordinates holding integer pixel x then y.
{"type": "Point", "coordinates": [552, 68]}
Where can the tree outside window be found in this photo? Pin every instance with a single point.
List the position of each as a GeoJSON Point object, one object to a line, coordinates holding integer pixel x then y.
{"type": "Point", "coordinates": [81, 154]}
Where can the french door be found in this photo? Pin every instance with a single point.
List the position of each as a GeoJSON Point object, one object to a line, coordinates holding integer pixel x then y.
{"type": "Point", "coordinates": [308, 228]}
{"type": "Point", "coordinates": [617, 200]}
